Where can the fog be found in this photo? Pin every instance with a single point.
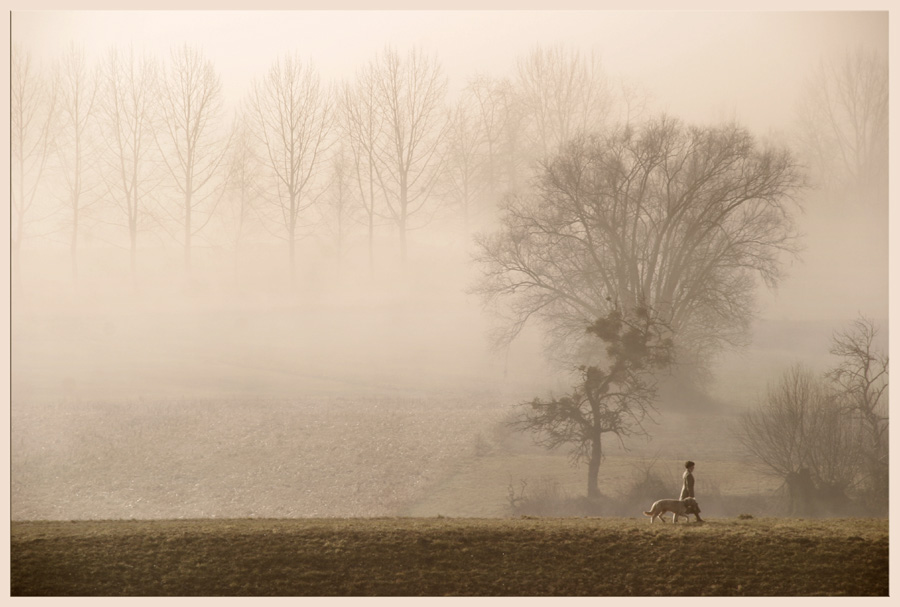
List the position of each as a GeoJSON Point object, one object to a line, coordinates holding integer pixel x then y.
{"type": "Point", "coordinates": [359, 377]}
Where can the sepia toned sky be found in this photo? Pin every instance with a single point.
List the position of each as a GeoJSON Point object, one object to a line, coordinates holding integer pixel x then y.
{"type": "Point", "coordinates": [697, 65]}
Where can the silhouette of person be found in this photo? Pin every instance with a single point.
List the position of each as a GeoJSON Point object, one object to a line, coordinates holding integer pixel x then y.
{"type": "Point", "coordinates": [687, 487]}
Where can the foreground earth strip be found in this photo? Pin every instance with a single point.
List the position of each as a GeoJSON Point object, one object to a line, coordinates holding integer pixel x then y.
{"type": "Point", "coordinates": [443, 556]}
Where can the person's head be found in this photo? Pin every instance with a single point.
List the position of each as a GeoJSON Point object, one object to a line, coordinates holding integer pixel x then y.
{"type": "Point", "coordinates": [689, 465]}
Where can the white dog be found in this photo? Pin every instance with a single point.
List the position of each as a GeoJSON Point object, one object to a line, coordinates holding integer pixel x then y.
{"type": "Point", "coordinates": [677, 507]}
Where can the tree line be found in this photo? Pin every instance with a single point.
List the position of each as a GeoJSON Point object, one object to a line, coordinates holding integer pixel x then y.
{"type": "Point", "coordinates": [135, 149]}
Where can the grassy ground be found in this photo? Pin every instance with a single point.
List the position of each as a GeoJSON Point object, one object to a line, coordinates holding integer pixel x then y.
{"type": "Point", "coordinates": [460, 557]}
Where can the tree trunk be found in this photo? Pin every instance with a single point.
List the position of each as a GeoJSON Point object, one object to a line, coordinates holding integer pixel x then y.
{"type": "Point", "coordinates": [16, 254]}
{"type": "Point", "coordinates": [371, 244]}
{"type": "Point", "coordinates": [594, 467]}
{"type": "Point", "coordinates": [371, 212]}
{"type": "Point", "coordinates": [187, 236]}
{"type": "Point", "coordinates": [236, 265]}
{"type": "Point", "coordinates": [293, 264]}
{"type": "Point", "coordinates": [292, 237]}
{"type": "Point", "coordinates": [403, 243]}
{"type": "Point", "coordinates": [19, 212]}
{"type": "Point", "coordinates": [76, 201]}
{"type": "Point", "coordinates": [402, 219]}
{"type": "Point", "coordinates": [133, 260]}
{"type": "Point", "coordinates": [465, 208]}
{"type": "Point", "coordinates": [73, 245]}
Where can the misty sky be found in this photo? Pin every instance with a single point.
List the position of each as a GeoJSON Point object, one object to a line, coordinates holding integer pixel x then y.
{"type": "Point", "coordinates": [699, 66]}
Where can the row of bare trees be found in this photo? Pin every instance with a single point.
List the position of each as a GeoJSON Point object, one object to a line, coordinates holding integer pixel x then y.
{"type": "Point", "coordinates": [131, 148]}
{"type": "Point", "coordinates": [125, 143]}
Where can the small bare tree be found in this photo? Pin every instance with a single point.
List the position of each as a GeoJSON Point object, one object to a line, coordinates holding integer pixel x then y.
{"type": "Point", "coordinates": [128, 121]}
{"type": "Point", "coordinates": [340, 206]}
{"type": "Point", "coordinates": [861, 379]}
{"type": "Point", "coordinates": [76, 145]}
{"type": "Point", "coordinates": [843, 122]}
{"type": "Point", "coordinates": [243, 166]}
{"type": "Point", "coordinates": [615, 398]}
{"type": "Point", "coordinates": [565, 94]}
{"type": "Point", "coordinates": [464, 166]}
{"type": "Point", "coordinates": [409, 93]}
{"type": "Point", "coordinates": [292, 117]}
{"type": "Point", "coordinates": [191, 141]}
{"type": "Point", "coordinates": [801, 434]}
{"type": "Point", "coordinates": [495, 116]}
{"type": "Point", "coordinates": [362, 126]}
{"type": "Point", "coordinates": [33, 105]}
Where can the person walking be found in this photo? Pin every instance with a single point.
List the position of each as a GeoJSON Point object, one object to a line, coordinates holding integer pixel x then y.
{"type": "Point", "coordinates": [687, 486]}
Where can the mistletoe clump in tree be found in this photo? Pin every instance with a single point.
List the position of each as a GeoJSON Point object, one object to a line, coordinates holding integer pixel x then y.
{"type": "Point", "coordinates": [611, 398]}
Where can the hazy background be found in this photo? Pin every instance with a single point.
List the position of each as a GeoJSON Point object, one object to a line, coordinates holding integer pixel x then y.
{"type": "Point", "coordinates": [100, 364]}
{"type": "Point", "coordinates": [700, 67]}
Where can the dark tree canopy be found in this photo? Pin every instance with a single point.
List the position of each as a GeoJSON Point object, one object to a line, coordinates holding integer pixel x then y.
{"type": "Point", "coordinates": [680, 219]}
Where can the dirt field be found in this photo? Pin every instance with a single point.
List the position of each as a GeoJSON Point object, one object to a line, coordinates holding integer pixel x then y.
{"type": "Point", "coordinates": [457, 557]}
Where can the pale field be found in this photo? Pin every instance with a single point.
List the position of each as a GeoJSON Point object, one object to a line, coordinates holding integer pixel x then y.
{"type": "Point", "coordinates": [232, 408]}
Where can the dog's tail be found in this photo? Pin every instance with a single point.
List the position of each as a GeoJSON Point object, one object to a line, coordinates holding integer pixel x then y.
{"type": "Point", "coordinates": [648, 513]}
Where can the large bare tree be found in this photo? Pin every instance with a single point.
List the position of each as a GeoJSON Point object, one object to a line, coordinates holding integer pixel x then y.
{"type": "Point", "coordinates": [292, 116]}
{"type": "Point", "coordinates": [409, 97]}
{"type": "Point", "coordinates": [128, 120]}
{"type": "Point", "coordinates": [33, 104]}
{"type": "Point", "coordinates": [679, 219]}
{"type": "Point", "coordinates": [76, 143]}
{"type": "Point", "coordinates": [192, 141]}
